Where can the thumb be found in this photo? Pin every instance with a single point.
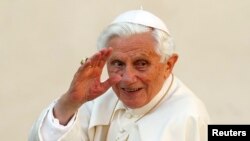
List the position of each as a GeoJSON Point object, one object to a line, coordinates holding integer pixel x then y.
{"type": "Point", "coordinates": [111, 81]}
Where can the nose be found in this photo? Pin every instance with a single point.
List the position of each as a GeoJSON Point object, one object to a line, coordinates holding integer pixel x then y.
{"type": "Point", "coordinates": [129, 75]}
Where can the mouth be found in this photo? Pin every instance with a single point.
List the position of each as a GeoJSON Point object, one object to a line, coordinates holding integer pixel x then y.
{"type": "Point", "coordinates": [131, 90]}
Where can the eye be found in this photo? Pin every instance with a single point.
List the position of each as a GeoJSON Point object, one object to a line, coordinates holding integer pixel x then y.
{"type": "Point", "coordinates": [117, 64]}
{"type": "Point", "coordinates": [141, 64]}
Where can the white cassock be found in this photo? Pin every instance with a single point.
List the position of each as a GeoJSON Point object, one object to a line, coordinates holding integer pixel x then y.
{"type": "Point", "coordinates": [180, 116]}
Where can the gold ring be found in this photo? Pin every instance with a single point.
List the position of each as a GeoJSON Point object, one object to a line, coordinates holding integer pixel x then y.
{"type": "Point", "coordinates": [83, 61]}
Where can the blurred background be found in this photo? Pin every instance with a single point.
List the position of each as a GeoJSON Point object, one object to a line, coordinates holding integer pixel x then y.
{"type": "Point", "coordinates": [43, 41]}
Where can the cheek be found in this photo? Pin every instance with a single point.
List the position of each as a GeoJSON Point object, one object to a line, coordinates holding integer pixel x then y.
{"type": "Point", "coordinates": [154, 79]}
{"type": "Point", "coordinates": [154, 74]}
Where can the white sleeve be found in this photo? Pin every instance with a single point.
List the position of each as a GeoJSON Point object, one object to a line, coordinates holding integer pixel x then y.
{"type": "Point", "coordinates": [51, 129]}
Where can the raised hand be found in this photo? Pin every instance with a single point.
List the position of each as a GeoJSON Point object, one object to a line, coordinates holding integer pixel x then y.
{"type": "Point", "coordinates": [85, 86]}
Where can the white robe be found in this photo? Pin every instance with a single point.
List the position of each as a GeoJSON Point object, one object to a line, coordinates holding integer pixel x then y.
{"type": "Point", "coordinates": [180, 117]}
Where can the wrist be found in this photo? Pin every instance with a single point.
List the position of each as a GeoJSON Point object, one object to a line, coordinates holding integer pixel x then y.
{"type": "Point", "coordinates": [64, 110]}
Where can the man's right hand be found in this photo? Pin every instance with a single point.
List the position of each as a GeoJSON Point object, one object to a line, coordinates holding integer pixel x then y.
{"type": "Point", "coordinates": [85, 86]}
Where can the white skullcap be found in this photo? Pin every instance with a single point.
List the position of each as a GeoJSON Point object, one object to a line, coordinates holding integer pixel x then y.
{"type": "Point", "coordinates": [142, 17]}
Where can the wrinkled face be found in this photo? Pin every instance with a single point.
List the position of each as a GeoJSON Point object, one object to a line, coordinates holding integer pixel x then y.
{"type": "Point", "coordinates": [135, 60]}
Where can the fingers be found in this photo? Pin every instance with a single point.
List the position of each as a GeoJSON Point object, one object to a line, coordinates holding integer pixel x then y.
{"type": "Point", "coordinates": [93, 66]}
{"type": "Point", "coordinates": [99, 59]}
{"type": "Point", "coordinates": [105, 55]}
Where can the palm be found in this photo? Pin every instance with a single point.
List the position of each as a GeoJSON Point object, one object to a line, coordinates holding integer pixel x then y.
{"type": "Point", "coordinates": [86, 84]}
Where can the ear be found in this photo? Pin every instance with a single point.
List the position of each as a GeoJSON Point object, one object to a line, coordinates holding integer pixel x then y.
{"type": "Point", "coordinates": [170, 64]}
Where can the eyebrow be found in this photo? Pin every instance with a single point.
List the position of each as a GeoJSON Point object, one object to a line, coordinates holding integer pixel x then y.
{"type": "Point", "coordinates": [111, 58]}
{"type": "Point", "coordinates": [141, 55]}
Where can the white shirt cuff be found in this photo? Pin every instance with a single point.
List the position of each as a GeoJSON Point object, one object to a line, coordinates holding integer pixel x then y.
{"type": "Point", "coordinates": [51, 129]}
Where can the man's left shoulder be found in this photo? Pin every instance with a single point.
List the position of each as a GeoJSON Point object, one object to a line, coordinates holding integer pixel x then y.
{"type": "Point", "coordinates": [183, 102]}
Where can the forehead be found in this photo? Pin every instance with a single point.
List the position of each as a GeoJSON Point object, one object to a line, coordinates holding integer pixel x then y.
{"type": "Point", "coordinates": [137, 44]}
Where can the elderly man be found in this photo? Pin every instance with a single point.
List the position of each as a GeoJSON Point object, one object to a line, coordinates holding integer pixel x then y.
{"type": "Point", "coordinates": [146, 101]}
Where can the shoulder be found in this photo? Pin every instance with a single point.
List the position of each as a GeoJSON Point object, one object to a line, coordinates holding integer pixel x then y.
{"type": "Point", "coordinates": [182, 102]}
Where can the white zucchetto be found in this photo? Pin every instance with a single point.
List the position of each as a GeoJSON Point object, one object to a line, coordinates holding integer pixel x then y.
{"type": "Point", "coordinates": [142, 17]}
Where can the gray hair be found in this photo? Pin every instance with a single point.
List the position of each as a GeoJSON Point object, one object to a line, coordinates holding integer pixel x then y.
{"type": "Point", "coordinates": [164, 42]}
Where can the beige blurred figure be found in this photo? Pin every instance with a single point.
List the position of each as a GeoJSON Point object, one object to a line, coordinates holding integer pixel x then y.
{"type": "Point", "coordinates": [140, 101]}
